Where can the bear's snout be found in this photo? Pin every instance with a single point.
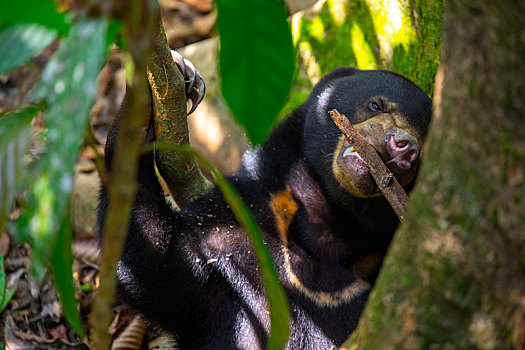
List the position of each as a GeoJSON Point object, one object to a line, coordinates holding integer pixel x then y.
{"type": "Point", "coordinates": [403, 149]}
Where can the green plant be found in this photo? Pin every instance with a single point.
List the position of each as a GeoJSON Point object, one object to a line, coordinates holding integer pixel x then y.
{"type": "Point", "coordinates": [65, 94]}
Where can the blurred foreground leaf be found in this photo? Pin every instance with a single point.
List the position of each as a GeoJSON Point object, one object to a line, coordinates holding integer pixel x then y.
{"type": "Point", "coordinates": [14, 141]}
{"type": "Point", "coordinates": [8, 295]}
{"type": "Point", "coordinates": [5, 294]}
{"type": "Point", "coordinates": [277, 301]}
{"type": "Point", "coordinates": [256, 61]}
{"type": "Point", "coordinates": [41, 12]}
{"type": "Point", "coordinates": [20, 42]}
{"type": "Point", "coordinates": [68, 86]}
{"type": "Point", "coordinates": [2, 281]}
{"type": "Point", "coordinates": [61, 265]}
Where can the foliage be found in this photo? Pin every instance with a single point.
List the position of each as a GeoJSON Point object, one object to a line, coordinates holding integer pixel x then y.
{"type": "Point", "coordinates": [255, 80]}
{"type": "Point", "coordinates": [402, 36]}
{"type": "Point", "coordinates": [5, 294]}
{"type": "Point", "coordinates": [21, 42]}
{"type": "Point", "coordinates": [67, 86]}
{"type": "Point", "coordinates": [33, 11]}
{"type": "Point", "coordinates": [14, 140]}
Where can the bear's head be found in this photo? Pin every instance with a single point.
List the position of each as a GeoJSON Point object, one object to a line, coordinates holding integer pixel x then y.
{"type": "Point", "coordinates": [390, 111]}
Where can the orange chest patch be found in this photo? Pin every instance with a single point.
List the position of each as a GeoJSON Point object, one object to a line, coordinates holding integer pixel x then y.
{"type": "Point", "coordinates": [283, 207]}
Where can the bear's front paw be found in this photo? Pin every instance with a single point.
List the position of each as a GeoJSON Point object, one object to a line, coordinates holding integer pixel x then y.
{"type": "Point", "coordinates": [195, 88]}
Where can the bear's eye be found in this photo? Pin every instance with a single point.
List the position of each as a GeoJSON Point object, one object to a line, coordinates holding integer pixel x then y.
{"type": "Point", "coordinates": [374, 107]}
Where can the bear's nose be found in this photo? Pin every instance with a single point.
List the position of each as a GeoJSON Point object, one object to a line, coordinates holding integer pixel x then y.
{"type": "Point", "coordinates": [402, 148]}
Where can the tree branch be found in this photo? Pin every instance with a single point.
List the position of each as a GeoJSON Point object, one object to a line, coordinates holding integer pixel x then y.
{"type": "Point", "coordinates": [138, 24]}
{"type": "Point", "coordinates": [180, 171]}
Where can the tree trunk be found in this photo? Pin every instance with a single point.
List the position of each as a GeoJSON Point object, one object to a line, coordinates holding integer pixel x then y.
{"type": "Point", "coordinates": [455, 273]}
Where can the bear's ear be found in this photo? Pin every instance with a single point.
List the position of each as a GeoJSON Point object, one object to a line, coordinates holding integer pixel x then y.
{"type": "Point", "coordinates": [331, 77]}
{"type": "Point", "coordinates": [339, 73]}
{"type": "Point", "coordinates": [323, 84]}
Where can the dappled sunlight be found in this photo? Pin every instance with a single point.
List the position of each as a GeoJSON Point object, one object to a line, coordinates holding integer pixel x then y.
{"type": "Point", "coordinates": [206, 128]}
{"type": "Point", "coordinates": [338, 10]}
{"type": "Point", "coordinates": [393, 26]}
{"type": "Point", "coordinates": [297, 19]}
{"type": "Point", "coordinates": [335, 33]}
{"type": "Point", "coordinates": [317, 29]}
{"type": "Point", "coordinates": [41, 222]}
{"type": "Point", "coordinates": [362, 50]}
{"type": "Point", "coordinates": [215, 138]}
{"type": "Point", "coordinates": [295, 24]}
{"type": "Point", "coordinates": [310, 62]}
{"type": "Point", "coordinates": [366, 34]}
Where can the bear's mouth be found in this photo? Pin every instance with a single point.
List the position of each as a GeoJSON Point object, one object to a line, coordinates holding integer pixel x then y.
{"type": "Point", "coordinates": [397, 149]}
{"type": "Point", "coordinates": [352, 173]}
{"type": "Point", "coordinates": [352, 159]}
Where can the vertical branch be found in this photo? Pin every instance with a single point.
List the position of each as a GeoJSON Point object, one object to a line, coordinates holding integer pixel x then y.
{"type": "Point", "coordinates": [148, 46]}
{"type": "Point", "coordinates": [180, 171]}
{"type": "Point", "coordinates": [138, 24]}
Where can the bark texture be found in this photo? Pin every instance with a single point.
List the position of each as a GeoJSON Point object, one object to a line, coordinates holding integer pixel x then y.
{"type": "Point", "coordinates": [138, 25]}
{"type": "Point", "coordinates": [455, 274]}
{"type": "Point", "coordinates": [180, 171]}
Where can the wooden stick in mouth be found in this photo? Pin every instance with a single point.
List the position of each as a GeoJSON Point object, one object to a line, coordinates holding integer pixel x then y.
{"type": "Point", "coordinates": [385, 180]}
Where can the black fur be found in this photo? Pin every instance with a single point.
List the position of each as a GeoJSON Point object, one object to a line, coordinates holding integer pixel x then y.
{"type": "Point", "coordinates": [194, 273]}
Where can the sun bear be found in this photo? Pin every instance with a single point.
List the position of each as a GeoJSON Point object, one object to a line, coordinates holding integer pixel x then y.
{"type": "Point", "coordinates": [327, 226]}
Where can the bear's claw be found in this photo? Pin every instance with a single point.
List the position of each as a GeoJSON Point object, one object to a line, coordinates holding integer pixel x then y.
{"type": "Point", "coordinates": [195, 87]}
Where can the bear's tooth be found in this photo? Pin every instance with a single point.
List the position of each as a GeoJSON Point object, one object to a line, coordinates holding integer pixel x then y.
{"type": "Point", "coordinates": [350, 151]}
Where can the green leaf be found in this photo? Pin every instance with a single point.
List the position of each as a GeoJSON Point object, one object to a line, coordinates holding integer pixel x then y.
{"type": "Point", "coordinates": [2, 282]}
{"type": "Point", "coordinates": [7, 298]}
{"type": "Point", "coordinates": [41, 12]}
{"type": "Point", "coordinates": [61, 263]}
{"type": "Point", "coordinates": [5, 294]}
{"type": "Point", "coordinates": [256, 61]}
{"type": "Point", "coordinates": [20, 42]}
{"type": "Point", "coordinates": [14, 141]}
{"type": "Point", "coordinates": [275, 294]}
{"type": "Point", "coordinates": [68, 85]}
